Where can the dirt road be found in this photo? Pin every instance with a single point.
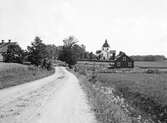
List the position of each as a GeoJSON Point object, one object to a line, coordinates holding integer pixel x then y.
{"type": "Point", "coordinates": [55, 99]}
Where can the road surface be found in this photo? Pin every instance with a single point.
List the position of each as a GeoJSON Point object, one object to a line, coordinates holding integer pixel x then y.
{"type": "Point", "coordinates": [55, 99]}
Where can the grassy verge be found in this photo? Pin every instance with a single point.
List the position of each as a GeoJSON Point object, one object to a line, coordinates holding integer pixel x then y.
{"type": "Point", "coordinates": [103, 103]}
{"type": "Point", "coordinates": [14, 74]}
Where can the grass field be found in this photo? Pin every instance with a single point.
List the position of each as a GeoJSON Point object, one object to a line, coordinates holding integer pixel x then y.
{"type": "Point", "coordinates": [12, 74]}
{"type": "Point", "coordinates": [153, 85]}
{"type": "Point", "coordinates": [144, 92]}
{"type": "Point", "coordinates": [10, 66]}
{"type": "Point", "coordinates": [159, 64]}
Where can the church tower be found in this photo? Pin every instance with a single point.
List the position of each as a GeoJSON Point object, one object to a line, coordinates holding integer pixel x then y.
{"type": "Point", "coordinates": [105, 51]}
{"type": "Point", "coordinates": [105, 46]}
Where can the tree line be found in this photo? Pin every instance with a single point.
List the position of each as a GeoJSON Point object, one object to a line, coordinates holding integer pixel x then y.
{"type": "Point", "coordinates": [40, 54]}
{"type": "Point", "coordinates": [149, 58]}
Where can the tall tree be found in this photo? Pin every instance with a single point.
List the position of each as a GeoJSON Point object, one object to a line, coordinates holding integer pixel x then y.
{"type": "Point", "coordinates": [67, 54]}
{"type": "Point", "coordinates": [52, 51]}
{"type": "Point", "coordinates": [37, 52]}
{"type": "Point", "coordinates": [70, 41]}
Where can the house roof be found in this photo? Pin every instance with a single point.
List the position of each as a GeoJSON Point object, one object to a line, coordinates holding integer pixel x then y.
{"type": "Point", "coordinates": [120, 55]}
{"type": "Point", "coordinates": [4, 46]}
{"type": "Point", "coordinates": [106, 44]}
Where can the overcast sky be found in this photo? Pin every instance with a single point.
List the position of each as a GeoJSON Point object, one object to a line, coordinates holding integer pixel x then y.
{"type": "Point", "coordinates": [133, 26]}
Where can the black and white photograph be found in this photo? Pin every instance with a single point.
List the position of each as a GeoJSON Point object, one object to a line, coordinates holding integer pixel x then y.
{"type": "Point", "coordinates": [83, 61]}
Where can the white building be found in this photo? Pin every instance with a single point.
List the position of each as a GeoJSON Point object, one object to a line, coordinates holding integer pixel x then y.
{"type": "Point", "coordinates": [105, 53]}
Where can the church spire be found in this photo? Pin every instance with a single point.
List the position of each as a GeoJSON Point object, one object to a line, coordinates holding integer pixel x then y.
{"type": "Point", "coordinates": [106, 44]}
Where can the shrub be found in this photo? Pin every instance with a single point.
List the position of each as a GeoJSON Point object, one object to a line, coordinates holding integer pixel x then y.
{"type": "Point", "coordinates": [151, 71]}
{"type": "Point", "coordinates": [47, 64]}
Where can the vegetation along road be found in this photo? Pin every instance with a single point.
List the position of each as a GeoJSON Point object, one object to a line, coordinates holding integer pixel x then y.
{"type": "Point", "coordinates": [55, 99]}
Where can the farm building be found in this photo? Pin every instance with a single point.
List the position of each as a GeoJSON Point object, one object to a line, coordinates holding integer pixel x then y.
{"type": "Point", "coordinates": [122, 61]}
{"type": "Point", "coordinates": [4, 47]}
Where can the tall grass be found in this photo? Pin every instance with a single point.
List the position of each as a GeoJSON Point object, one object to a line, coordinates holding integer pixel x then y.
{"type": "Point", "coordinates": [104, 108]}
{"type": "Point", "coordinates": [147, 93]}
{"type": "Point", "coordinates": [12, 74]}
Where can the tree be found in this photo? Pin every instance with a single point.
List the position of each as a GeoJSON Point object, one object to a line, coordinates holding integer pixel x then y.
{"type": "Point", "coordinates": [78, 51]}
{"type": "Point", "coordinates": [14, 54]}
{"type": "Point", "coordinates": [37, 52]}
{"type": "Point", "coordinates": [67, 56]}
{"type": "Point", "coordinates": [92, 56]}
{"type": "Point", "coordinates": [70, 41]}
{"type": "Point", "coordinates": [68, 53]}
{"type": "Point", "coordinates": [52, 51]}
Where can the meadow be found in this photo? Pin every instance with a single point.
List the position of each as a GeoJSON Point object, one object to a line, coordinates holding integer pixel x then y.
{"type": "Point", "coordinates": [158, 64]}
{"type": "Point", "coordinates": [145, 92]}
{"type": "Point", "coordinates": [12, 74]}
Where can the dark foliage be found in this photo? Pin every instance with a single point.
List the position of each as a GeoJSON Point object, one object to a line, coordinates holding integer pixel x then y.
{"type": "Point", "coordinates": [37, 52]}
{"type": "Point", "coordinates": [14, 54]}
{"type": "Point", "coordinates": [47, 64]}
{"type": "Point", "coordinates": [78, 51]}
{"type": "Point", "coordinates": [53, 51]}
{"type": "Point", "coordinates": [68, 56]}
{"type": "Point", "coordinates": [70, 51]}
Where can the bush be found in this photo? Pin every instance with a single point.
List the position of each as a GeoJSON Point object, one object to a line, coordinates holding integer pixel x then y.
{"type": "Point", "coordinates": [46, 64]}
{"type": "Point", "coordinates": [14, 54]}
{"type": "Point", "coordinates": [152, 71]}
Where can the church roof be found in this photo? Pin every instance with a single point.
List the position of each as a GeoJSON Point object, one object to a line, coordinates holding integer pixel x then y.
{"type": "Point", "coordinates": [106, 44]}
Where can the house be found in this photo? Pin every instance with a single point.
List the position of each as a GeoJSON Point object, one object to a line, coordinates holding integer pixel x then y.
{"type": "Point", "coordinates": [122, 61]}
{"type": "Point", "coordinates": [4, 47]}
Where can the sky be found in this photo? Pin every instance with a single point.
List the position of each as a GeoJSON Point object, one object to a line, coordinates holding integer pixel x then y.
{"type": "Point", "coordinates": [137, 27]}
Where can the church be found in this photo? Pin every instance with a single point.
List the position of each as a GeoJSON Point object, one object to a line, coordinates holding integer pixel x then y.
{"type": "Point", "coordinates": [116, 61]}
{"type": "Point", "coordinates": [105, 53]}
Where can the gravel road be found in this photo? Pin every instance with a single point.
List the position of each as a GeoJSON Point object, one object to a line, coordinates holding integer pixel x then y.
{"type": "Point", "coordinates": [55, 99]}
